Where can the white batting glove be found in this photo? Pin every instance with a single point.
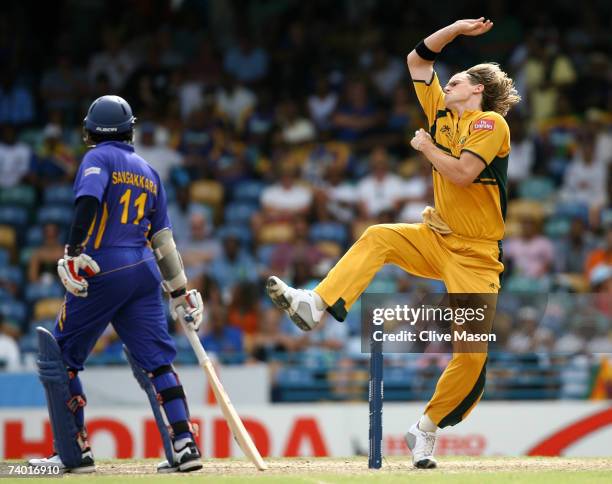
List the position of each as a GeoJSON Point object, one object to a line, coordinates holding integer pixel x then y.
{"type": "Point", "coordinates": [68, 270]}
{"type": "Point", "coordinates": [188, 309]}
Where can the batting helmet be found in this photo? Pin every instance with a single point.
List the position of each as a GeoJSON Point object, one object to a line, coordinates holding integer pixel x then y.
{"type": "Point", "coordinates": [109, 116]}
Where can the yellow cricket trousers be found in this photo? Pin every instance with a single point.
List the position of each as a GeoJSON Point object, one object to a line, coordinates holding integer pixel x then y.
{"type": "Point", "coordinates": [465, 266]}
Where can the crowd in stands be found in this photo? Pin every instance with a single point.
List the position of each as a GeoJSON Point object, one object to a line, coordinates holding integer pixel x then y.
{"type": "Point", "coordinates": [281, 132]}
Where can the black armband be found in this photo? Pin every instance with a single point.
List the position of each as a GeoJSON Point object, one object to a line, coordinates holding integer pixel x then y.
{"type": "Point", "coordinates": [178, 292]}
{"type": "Point", "coordinates": [425, 52]}
{"type": "Point", "coordinates": [84, 212]}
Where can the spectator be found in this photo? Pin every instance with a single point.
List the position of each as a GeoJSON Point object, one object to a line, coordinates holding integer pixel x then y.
{"type": "Point", "coordinates": [16, 101]}
{"type": "Point", "coordinates": [55, 161]}
{"type": "Point", "coordinates": [381, 190]}
{"type": "Point", "coordinates": [114, 61]}
{"type": "Point", "coordinates": [547, 72]}
{"type": "Point", "coordinates": [299, 248]}
{"type": "Point", "coordinates": [10, 358]}
{"type": "Point", "coordinates": [523, 152]}
{"type": "Point", "coordinates": [200, 248]}
{"type": "Point", "coordinates": [357, 116]}
{"type": "Point", "coordinates": [601, 255]}
{"type": "Point", "coordinates": [246, 62]}
{"type": "Point", "coordinates": [270, 341]}
{"type": "Point", "coordinates": [322, 104]}
{"type": "Point", "coordinates": [316, 160]}
{"type": "Point", "coordinates": [62, 87]}
{"type": "Point", "coordinates": [286, 198]}
{"type": "Point", "coordinates": [15, 158]}
{"type": "Point", "coordinates": [43, 261]}
{"type": "Point", "coordinates": [531, 254]}
{"type": "Point", "coordinates": [601, 286]}
{"type": "Point", "coordinates": [586, 177]}
{"type": "Point", "coordinates": [573, 249]}
{"type": "Point", "coordinates": [243, 311]}
{"type": "Point", "coordinates": [180, 212]}
{"type": "Point", "coordinates": [387, 71]}
{"type": "Point", "coordinates": [234, 100]}
{"type": "Point", "coordinates": [417, 191]}
{"type": "Point", "coordinates": [233, 266]}
{"type": "Point", "coordinates": [401, 118]}
{"type": "Point", "coordinates": [159, 155]}
{"type": "Point", "coordinates": [295, 128]}
{"type": "Point", "coordinates": [221, 338]}
{"type": "Point", "coordinates": [336, 198]}
{"type": "Point", "coordinates": [148, 86]}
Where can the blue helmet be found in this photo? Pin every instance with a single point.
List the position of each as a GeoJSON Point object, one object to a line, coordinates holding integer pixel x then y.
{"type": "Point", "coordinates": [109, 116]}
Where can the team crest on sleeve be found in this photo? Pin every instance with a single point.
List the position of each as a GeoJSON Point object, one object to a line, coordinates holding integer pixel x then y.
{"type": "Point", "coordinates": [484, 124]}
{"type": "Point", "coordinates": [92, 170]}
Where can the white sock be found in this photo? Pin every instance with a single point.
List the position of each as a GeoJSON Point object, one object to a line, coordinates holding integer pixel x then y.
{"type": "Point", "coordinates": [319, 303]}
{"type": "Point", "coordinates": [426, 424]}
{"type": "Point", "coordinates": [180, 443]}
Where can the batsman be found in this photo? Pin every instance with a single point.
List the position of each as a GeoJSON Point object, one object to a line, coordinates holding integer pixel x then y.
{"type": "Point", "coordinates": [119, 255]}
{"type": "Point", "coordinates": [459, 242]}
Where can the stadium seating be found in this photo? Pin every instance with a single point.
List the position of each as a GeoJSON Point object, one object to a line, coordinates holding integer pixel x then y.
{"type": "Point", "coordinates": [248, 191]}
{"type": "Point", "coordinates": [37, 291]}
{"type": "Point", "coordinates": [22, 195]}
{"type": "Point", "coordinates": [58, 214]}
{"type": "Point", "coordinates": [238, 213]}
{"type": "Point", "coordinates": [329, 231]}
{"type": "Point", "coordinates": [58, 194]}
{"type": "Point", "coordinates": [15, 216]}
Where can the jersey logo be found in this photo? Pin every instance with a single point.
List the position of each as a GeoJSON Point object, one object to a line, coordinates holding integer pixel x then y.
{"type": "Point", "coordinates": [486, 124]}
{"type": "Point", "coordinates": [93, 170]}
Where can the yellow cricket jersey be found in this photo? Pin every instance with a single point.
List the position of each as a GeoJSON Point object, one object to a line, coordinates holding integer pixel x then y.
{"type": "Point", "coordinates": [476, 211]}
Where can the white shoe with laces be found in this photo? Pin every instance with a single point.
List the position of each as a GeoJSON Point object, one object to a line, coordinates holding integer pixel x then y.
{"type": "Point", "coordinates": [422, 445]}
{"type": "Point", "coordinates": [86, 466]}
{"type": "Point", "coordinates": [299, 304]}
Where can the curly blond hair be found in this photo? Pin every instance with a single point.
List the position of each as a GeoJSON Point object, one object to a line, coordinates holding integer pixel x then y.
{"type": "Point", "coordinates": [499, 93]}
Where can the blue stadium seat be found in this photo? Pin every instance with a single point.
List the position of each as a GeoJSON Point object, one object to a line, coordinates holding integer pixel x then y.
{"type": "Point", "coordinates": [23, 195]}
{"type": "Point", "coordinates": [332, 231]}
{"type": "Point", "coordinates": [536, 188]}
{"type": "Point", "coordinates": [13, 215]}
{"type": "Point", "coordinates": [248, 191]}
{"type": "Point", "coordinates": [34, 236]}
{"type": "Point", "coordinates": [239, 213]}
{"type": "Point", "coordinates": [58, 194]}
{"type": "Point", "coordinates": [5, 257]}
{"type": "Point", "coordinates": [37, 291]}
{"type": "Point", "coordinates": [556, 227]}
{"type": "Point", "coordinates": [58, 214]}
{"type": "Point", "coordinates": [242, 232]}
{"type": "Point", "coordinates": [5, 296]}
{"type": "Point", "coordinates": [265, 253]}
{"type": "Point", "coordinates": [11, 274]}
{"type": "Point", "coordinates": [14, 311]}
{"type": "Point", "coordinates": [572, 210]}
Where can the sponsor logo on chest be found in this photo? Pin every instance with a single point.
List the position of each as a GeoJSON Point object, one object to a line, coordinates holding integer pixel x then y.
{"type": "Point", "coordinates": [484, 124]}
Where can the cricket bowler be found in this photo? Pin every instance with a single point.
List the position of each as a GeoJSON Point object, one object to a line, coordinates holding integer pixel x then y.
{"type": "Point", "coordinates": [119, 254]}
{"type": "Point", "coordinates": [459, 241]}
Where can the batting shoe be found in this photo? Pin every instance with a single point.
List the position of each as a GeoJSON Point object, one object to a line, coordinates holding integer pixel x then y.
{"type": "Point", "coordinates": [86, 466]}
{"type": "Point", "coordinates": [187, 457]}
{"type": "Point", "coordinates": [299, 304]}
{"type": "Point", "coordinates": [422, 445]}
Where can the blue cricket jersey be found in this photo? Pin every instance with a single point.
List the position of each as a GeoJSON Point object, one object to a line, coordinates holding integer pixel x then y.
{"type": "Point", "coordinates": [132, 200]}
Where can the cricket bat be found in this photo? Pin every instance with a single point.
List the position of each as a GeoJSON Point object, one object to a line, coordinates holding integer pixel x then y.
{"type": "Point", "coordinates": [229, 412]}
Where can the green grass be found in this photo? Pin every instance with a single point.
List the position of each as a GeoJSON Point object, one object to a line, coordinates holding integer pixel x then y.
{"type": "Point", "coordinates": [320, 471]}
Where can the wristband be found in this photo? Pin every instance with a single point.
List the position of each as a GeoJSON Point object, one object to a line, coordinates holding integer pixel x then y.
{"type": "Point", "coordinates": [425, 52]}
{"type": "Point", "coordinates": [73, 250]}
{"type": "Point", "coordinates": [178, 292]}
